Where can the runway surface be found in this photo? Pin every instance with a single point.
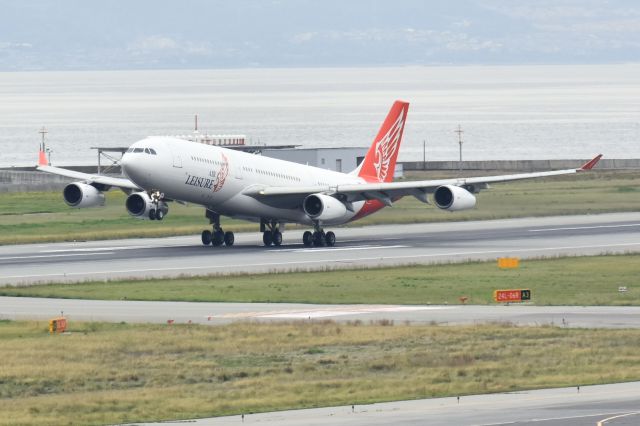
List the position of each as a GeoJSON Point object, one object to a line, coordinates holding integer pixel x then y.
{"type": "Point", "coordinates": [356, 247]}
{"type": "Point", "coordinates": [612, 405]}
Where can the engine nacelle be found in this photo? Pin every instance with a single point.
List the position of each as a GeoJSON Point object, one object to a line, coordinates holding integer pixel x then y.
{"type": "Point", "coordinates": [453, 198]}
{"type": "Point", "coordinates": [140, 206]}
{"type": "Point", "coordinates": [323, 207]}
{"type": "Point", "coordinates": [81, 195]}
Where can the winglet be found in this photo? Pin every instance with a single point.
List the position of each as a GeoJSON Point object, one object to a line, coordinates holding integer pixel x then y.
{"type": "Point", "coordinates": [591, 164]}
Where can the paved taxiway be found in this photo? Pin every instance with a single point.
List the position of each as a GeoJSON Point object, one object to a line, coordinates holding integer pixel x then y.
{"type": "Point", "coordinates": [356, 247]}
{"type": "Point", "coordinates": [613, 405]}
{"type": "Point", "coordinates": [223, 313]}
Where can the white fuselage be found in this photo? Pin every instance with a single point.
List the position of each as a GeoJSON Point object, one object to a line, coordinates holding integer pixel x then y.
{"type": "Point", "coordinates": [216, 177]}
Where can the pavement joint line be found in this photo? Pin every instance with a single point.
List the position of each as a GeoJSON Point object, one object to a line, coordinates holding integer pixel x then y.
{"type": "Point", "coordinates": [577, 228]}
{"type": "Point", "coordinates": [301, 262]}
{"type": "Point", "coordinates": [602, 422]}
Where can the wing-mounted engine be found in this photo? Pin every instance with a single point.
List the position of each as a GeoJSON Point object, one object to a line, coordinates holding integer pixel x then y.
{"type": "Point", "coordinates": [142, 206]}
{"type": "Point", "coordinates": [453, 198]}
{"type": "Point", "coordinates": [323, 207]}
{"type": "Point", "coordinates": [82, 195]}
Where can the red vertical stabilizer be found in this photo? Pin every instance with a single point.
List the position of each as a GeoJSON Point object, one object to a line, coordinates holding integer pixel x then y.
{"type": "Point", "coordinates": [380, 162]}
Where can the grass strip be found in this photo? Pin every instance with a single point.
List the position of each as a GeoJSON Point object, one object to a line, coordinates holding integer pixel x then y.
{"type": "Point", "coordinates": [44, 217]}
{"type": "Point", "coordinates": [557, 281]}
{"type": "Point", "coordinates": [114, 373]}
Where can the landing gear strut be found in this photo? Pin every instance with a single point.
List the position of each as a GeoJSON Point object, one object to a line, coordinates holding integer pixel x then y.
{"type": "Point", "coordinates": [318, 238]}
{"type": "Point", "coordinates": [159, 207]}
{"type": "Point", "coordinates": [217, 236]}
{"type": "Point", "coordinates": [271, 233]}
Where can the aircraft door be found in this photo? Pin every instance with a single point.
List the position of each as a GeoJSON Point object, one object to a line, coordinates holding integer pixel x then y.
{"type": "Point", "coordinates": [237, 169]}
{"type": "Point", "coordinates": [177, 158]}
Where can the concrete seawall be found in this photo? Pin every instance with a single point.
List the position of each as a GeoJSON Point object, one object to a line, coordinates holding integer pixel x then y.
{"type": "Point", "coordinates": [25, 179]}
{"type": "Point", "coordinates": [523, 165]}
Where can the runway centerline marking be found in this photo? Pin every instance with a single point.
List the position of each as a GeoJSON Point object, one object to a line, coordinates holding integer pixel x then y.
{"type": "Point", "coordinates": [317, 250]}
{"type": "Point", "coordinates": [577, 228]}
{"type": "Point", "coordinates": [97, 249]}
{"type": "Point", "coordinates": [44, 256]}
{"type": "Point", "coordinates": [302, 262]}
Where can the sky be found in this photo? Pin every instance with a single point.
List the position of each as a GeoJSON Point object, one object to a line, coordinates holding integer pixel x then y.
{"type": "Point", "coordinates": [163, 34]}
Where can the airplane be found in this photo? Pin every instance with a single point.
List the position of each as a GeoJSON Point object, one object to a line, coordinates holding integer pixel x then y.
{"type": "Point", "coordinates": [270, 191]}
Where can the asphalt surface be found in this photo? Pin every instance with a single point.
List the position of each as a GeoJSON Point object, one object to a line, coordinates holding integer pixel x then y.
{"type": "Point", "coordinates": [356, 247]}
{"type": "Point", "coordinates": [612, 405]}
{"type": "Point", "coordinates": [223, 313]}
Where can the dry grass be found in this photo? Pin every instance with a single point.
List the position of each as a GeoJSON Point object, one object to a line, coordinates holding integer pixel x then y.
{"type": "Point", "coordinates": [558, 281]}
{"type": "Point", "coordinates": [103, 373]}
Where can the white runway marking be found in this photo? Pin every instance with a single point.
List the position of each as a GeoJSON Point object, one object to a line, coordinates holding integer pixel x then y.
{"type": "Point", "coordinates": [329, 312]}
{"type": "Point", "coordinates": [317, 249]}
{"type": "Point", "coordinates": [84, 250]}
{"type": "Point", "coordinates": [44, 256]}
{"type": "Point", "coordinates": [576, 228]}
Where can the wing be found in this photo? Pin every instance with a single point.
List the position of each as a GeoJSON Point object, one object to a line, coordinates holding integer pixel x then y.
{"type": "Point", "coordinates": [386, 192]}
{"type": "Point", "coordinates": [89, 178]}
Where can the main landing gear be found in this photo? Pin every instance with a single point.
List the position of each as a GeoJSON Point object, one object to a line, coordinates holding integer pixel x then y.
{"type": "Point", "coordinates": [318, 238]}
{"type": "Point", "coordinates": [217, 236]}
{"type": "Point", "coordinates": [271, 234]}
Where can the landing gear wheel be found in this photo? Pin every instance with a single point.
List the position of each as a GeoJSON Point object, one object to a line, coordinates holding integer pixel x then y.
{"type": "Point", "coordinates": [267, 238]}
{"type": "Point", "coordinates": [229, 238]}
{"type": "Point", "coordinates": [307, 239]}
{"type": "Point", "coordinates": [152, 214]}
{"type": "Point", "coordinates": [318, 239]}
{"type": "Point", "coordinates": [277, 238]}
{"type": "Point", "coordinates": [330, 239]}
{"type": "Point", "coordinates": [159, 214]}
{"type": "Point", "coordinates": [218, 238]}
{"type": "Point", "coordinates": [206, 237]}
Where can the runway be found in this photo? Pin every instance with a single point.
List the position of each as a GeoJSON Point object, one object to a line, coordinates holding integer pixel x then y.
{"type": "Point", "coordinates": [612, 405]}
{"type": "Point", "coordinates": [356, 247]}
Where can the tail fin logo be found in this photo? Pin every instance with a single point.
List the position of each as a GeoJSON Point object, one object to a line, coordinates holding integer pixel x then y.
{"type": "Point", "coordinates": [387, 146]}
{"type": "Point", "coordinates": [380, 162]}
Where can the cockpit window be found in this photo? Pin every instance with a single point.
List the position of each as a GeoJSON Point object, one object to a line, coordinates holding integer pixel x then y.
{"type": "Point", "coordinates": [146, 151]}
{"type": "Point", "coordinates": [138, 150]}
{"type": "Point", "coordinates": [153, 151]}
{"type": "Point", "coordinates": [130, 150]}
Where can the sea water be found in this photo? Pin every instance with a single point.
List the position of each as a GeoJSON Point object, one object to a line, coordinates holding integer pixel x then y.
{"type": "Point", "coordinates": [506, 112]}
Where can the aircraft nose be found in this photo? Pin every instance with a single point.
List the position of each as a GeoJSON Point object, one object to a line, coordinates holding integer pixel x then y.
{"type": "Point", "coordinates": [124, 161]}
{"type": "Point", "coordinates": [127, 165]}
